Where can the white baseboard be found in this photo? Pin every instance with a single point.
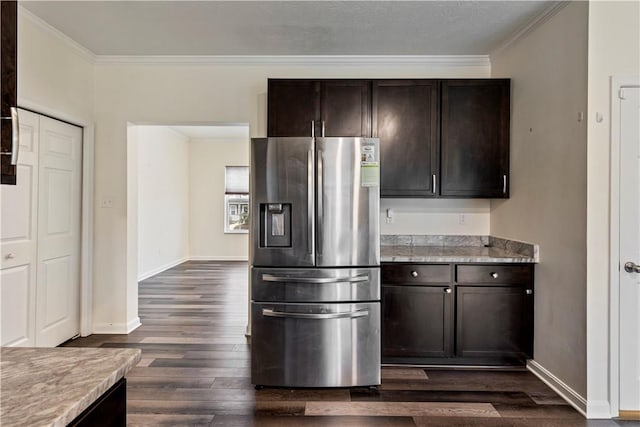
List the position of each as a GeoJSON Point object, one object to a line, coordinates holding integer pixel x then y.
{"type": "Point", "coordinates": [133, 324]}
{"type": "Point", "coordinates": [117, 328]}
{"type": "Point", "coordinates": [162, 268]}
{"type": "Point", "coordinates": [567, 393]}
{"type": "Point", "coordinates": [218, 258]}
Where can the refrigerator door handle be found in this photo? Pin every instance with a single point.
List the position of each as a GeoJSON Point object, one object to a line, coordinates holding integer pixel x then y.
{"type": "Point", "coordinates": [313, 316]}
{"type": "Point", "coordinates": [317, 280]}
{"type": "Point", "coordinates": [310, 225]}
{"type": "Point", "coordinates": [320, 194]}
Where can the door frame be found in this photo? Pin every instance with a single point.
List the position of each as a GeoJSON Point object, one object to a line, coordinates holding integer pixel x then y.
{"type": "Point", "coordinates": [87, 225]}
{"type": "Point", "coordinates": [617, 83]}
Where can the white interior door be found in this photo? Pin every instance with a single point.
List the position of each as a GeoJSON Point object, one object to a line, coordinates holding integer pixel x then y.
{"type": "Point", "coordinates": [18, 241]}
{"type": "Point", "coordinates": [59, 199]}
{"type": "Point", "coordinates": [630, 249]}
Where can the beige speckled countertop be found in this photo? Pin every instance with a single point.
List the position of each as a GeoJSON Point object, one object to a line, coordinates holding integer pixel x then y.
{"type": "Point", "coordinates": [52, 386]}
{"type": "Point", "coordinates": [480, 249]}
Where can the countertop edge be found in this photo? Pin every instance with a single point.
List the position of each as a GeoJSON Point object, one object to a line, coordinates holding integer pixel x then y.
{"type": "Point", "coordinates": [449, 259]}
{"type": "Point", "coordinates": [95, 393]}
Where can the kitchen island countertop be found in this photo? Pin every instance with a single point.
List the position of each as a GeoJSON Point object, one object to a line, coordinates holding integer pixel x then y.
{"type": "Point", "coordinates": [52, 386]}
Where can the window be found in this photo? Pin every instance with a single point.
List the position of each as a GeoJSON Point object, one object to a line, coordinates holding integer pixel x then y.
{"type": "Point", "coordinates": [236, 199]}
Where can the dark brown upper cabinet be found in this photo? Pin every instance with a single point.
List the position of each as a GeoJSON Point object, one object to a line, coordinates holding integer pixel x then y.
{"type": "Point", "coordinates": [475, 138]}
{"type": "Point", "coordinates": [302, 107]}
{"type": "Point", "coordinates": [405, 118]}
{"type": "Point", "coordinates": [8, 87]}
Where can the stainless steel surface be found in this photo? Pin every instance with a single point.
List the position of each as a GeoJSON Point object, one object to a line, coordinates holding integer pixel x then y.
{"type": "Point", "coordinates": [311, 238]}
{"type": "Point", "coordinates": [270, 278]}
{"type": "Point", "coordinates": [313, 352]}
{"type": "Point", "coordinates": [315, 284]}
{"type": "Point", "coordinates": [447, 290]}
{"type": "Point", "coordinates": [315, 275]}
{"type": "Point", "coordinates": [348, 315]}
{"type": "Point", "coordinates": [414, 274]}
{"type": "Point", "coordinates": [348, 211]}
{"type": "Point", "coordinates": [494, 275]}
{"type": "Point", "coordinates": [504, 184]}
{"type": "Point", "coordinates": [280, 170]}
{"type": "Point", "coordinates": [631, 267]}
{"type": "Point", "coordinates": [433, 178]}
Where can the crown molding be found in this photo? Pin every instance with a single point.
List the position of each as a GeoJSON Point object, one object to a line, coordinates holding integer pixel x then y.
{"type": "Point", "coordinates": [335, 60]}
{"type": "Point", "coordinates": [531, 26]}
{"type": "Point", "coordinates": [76, 47]}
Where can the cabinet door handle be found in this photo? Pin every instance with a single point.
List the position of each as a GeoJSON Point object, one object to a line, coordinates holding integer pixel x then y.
{"type": "Point", "coordinates": [529, 291]}
{"type": "Point", "coordinates": [447, 291]}
{"type": "Point", "coordinates": [504, 184]}
{"type": "Point", "coordinates": [15, 136]}
{"type": "Point", "coordinates": [313, 128]}
{"type": "Point", "coordinates": [433, 178]}
{"type": "Point", "coordinates": [494, 275]}
{"type": "Point", "coordinates": [414, 274]}
{"type": "Point", "coordinates": [323, 128]}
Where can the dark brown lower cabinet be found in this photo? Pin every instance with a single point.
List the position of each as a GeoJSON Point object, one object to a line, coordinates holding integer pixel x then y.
{"type": "Point", "coordinates": [493, 322]}
{"type": "Point", "coordinates": [482, 316]}
{"type": "Point", "coordinates": [427, 309]}
{"type": "Point", "coordinates": [109, 410]}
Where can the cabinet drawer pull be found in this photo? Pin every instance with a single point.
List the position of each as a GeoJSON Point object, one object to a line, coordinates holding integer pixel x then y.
{"type": "Point", "coordinates": [494, 275]}
{"type": "Point", "coordinates": [504, 184]}
{"type": "Point", "coordinates": [414, 274]}
{"type": "Point", "coordinates": [447, 291]}
{"type": "Point", "coordinates": [529, 291]}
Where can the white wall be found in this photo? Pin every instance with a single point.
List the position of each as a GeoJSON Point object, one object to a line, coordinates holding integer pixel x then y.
{"type": "Point", "coordinates": [435, 216]}
{"type": "Point", "coordinates": [207, 159]}
{"type": "Point", "coordinates": [163, 199]}
{"type": "Point", "coordinates": [198, 93]}
{"type": "Point", "coordinates": [548, 199]}
{"type": "Point", "coordinates": [614, 50]}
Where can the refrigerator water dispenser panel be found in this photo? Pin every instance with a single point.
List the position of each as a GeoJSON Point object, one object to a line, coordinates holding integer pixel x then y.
{"type": "Point", "coordinates": [275, 224]}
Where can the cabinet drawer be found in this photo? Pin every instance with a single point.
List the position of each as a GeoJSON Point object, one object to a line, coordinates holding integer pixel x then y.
{"type": "Point", "coordinates": [512, 274]}
{"type": "Point", "coordinates": [416, 273]}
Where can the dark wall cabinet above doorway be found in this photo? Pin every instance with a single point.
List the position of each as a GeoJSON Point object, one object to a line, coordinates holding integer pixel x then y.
{"type": "Point", "coordinates": [438, 137]}
{"type": "Point", "coordinates": [8, 90]}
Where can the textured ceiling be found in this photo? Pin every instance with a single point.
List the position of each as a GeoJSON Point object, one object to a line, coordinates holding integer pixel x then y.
{"type": "Point", "coordinates": [288, 27]}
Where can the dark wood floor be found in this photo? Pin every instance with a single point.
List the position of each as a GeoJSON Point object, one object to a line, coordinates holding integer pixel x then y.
{"type": "Point", "coordinates": [195, 371]}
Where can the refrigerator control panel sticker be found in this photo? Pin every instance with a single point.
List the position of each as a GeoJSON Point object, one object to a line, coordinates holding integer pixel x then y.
{"type": "Point", "coordinates": [369, 174]}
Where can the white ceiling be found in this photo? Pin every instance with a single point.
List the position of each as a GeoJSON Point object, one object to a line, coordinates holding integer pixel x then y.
{"type": "Point", "coordinates": [288, 27]}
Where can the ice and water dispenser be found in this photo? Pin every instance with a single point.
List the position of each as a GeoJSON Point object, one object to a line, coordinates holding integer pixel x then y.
{"type": "Point", "coordinates": [275, 225]}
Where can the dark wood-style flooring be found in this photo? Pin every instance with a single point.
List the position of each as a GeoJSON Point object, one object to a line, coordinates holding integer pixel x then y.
{"type": "Point", "coordinates": [195, 370]}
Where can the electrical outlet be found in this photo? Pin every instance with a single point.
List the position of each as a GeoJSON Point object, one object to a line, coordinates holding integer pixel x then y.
{"type": "Point", "coordinates": [462, 219]}
{"type": "Point", "coordinates": [389, 220]}
{"type": "Point", "coordinates": [106, 203]}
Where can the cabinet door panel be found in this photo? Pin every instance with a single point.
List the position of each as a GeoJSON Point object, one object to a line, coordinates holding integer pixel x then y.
{"type": "Point", "coordinates": [416, 321]}
{"type": "Point", "coordinates": [493, 321]}
{"type": "Point", "coordinates": [292, 106]}
{"type": "Point", "coordinates": [8, 84]}
{"type": "Point", "coordinates": [405, 118]}
{"type": "Point", "coordinates": [475, 138]}
{"type": "Point", "coordinates": [346, 108]}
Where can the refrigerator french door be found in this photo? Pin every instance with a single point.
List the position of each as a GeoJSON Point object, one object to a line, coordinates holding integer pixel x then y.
{"type": "Point", "coordinates": [315, 262]}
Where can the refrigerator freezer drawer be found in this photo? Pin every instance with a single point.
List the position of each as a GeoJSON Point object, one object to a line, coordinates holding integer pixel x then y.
{"type": "Point", "coordinates": [315, 284]}
{"type": "Point", "coordinates": [315, 345]}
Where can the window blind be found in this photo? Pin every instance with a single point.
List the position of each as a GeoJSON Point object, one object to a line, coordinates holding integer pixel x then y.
{"type": "Point", "coordinates": [236, 180]}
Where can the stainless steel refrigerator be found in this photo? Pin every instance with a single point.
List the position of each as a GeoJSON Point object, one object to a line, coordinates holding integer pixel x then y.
{"type": "Point", "coordinates": [315, 255]}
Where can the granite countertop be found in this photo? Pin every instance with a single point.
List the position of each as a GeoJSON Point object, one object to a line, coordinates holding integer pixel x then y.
{"type": "Point", "coordinates": [52, 386]}
{"type": "Point", "coordinates": [480, 249]}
